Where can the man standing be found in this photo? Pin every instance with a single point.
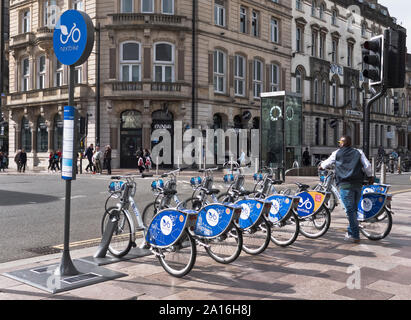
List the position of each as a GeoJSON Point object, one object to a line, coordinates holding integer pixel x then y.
{"type": "Point", "coordinates": [107, 159]}
{"type": "Point", "coordinates": [97, 160]}
{"type": "Point", "coordinates": [89, 155]}
{"type": "Point", "coordinates": [23, 160]}
{"type": "Point", "coordinates": [350, 165]}
{"type": "Point", "coordinates": [306, 158]}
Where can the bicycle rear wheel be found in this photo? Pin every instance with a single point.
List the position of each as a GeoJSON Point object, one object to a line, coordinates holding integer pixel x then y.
{"type": "Point", "coordinates": [377, 228]}
{"type": "Point", "coordinates": [148, 213]}
{"type": "Point", "coordinates": [227, 247]}
{"type": "Point", "coordinates": [225, 197]}
{"type": "Point", "coordinates": [257, 238]}
{"type": "Point", "coordinates": [316, 225]}
{"type": "Point", "coordinates": [285, 232]}
{"type": "Point", "coordinates": [121, 240]}
{"type": "Point", "coordinates": [179, 259]}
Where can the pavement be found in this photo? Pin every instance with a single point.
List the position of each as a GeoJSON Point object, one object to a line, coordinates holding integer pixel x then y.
{"type": "Point", "coordinates": [327, 268]}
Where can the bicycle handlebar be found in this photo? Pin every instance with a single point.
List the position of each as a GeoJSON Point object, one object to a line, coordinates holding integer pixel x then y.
{"type": "Point", "coordinates": [172, 173]}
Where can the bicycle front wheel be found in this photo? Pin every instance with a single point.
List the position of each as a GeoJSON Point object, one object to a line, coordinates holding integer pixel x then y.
{"type": "Point", "coordinates": [227, 247]}
{"type": "Point", "coordinates": [257, 238]}
{"type": "Point", "coordinates": [316, 225]}
{"type": "Point", "coordinates": [179, 259]}
{"type": "Point", "coordinates": [377, 228]}
{"type": "Point", "coordinates": [225, 197]}
{"type": "Point", "coordinates": [121, 240]}
{"type": "Point", "coordinates": [285, 232]}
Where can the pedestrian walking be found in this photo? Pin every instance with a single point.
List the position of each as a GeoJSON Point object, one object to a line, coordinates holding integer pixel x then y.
{"type": "Point", "coordinates": [147, 160]}
{"type": "Point", "coordinates": [140, 160]}
{"type": "Point", "coordinates": [89, 155]}
{"type": "Point", "coordinates": [97, 160]}
{"type": "Point", "coordinates": [306, 158]}
{"type": "Point", "coordinates": [55, 162]}
{"type": "Point", "coordinates": [50, 161]}
{"type": "Point", "coordinates": [23, 160]}
{"type": "Point", "coordinates": [4, 161]}
{"type": "Point", "coordinates": [107, 159]}
{"type": "Point", "coordinates": [351, 166]}
{"type": "Point", "coordinates": [17, 160]}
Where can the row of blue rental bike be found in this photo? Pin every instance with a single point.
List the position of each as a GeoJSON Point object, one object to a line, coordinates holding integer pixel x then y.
{"type": "Point", "coordinates": [237, 220]}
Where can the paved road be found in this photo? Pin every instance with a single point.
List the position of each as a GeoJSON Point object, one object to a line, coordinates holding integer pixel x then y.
{"type": "Point", "coordinates": [32, 209]}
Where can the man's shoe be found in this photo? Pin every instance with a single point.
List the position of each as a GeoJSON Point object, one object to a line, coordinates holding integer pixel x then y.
{"type": "Point", "coordinates": [350, 238]}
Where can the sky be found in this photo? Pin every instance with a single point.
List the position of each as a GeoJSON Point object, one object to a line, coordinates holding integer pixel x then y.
{"type": "Point", "coordinates": [400, 9]}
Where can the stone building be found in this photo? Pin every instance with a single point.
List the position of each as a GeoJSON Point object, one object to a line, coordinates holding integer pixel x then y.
{"type": "Point", "coordinates": [149, 50]}
{"type": "Point", "coordinates": [326, 70]}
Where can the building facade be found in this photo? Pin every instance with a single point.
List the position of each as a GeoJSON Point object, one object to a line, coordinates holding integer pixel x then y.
{"type": "Point", "coordinates": [326, 69]}
{"type": "Point", "coordinates": [158, 65]}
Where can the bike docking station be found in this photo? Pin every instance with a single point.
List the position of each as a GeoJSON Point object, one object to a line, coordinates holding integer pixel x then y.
{"type": "Point", "coordinates": [73, 41]}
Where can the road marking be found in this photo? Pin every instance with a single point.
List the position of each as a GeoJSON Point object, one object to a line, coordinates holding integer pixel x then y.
{"type": "Point", "coordinates": [401, 191]}
{"type": "Point", "coordinates": [74, 197]}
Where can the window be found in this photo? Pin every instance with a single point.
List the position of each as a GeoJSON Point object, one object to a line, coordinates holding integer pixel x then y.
{"type": "Point", "coordinates": [254, 23]}
{"type": "Point", "coordinates": [257, 78]}
{"type": "Point", "coordinates": [25, 72]}
{"type": "Point", "coordinates": [314, 38]}
{"type": "Point", "coordinates": [243, 20]}
{"type": "Point", "coordinates": [334, 94]}
{"type": "Point", "coordinates": [317, 131]}
{"type": "Point", "coordinates": [298, 5]}
{"type": "Point", "coordinates": [58, 132]}
{"type": "Point", "coordinates": [26, 21]}
{"type": "Point", "coordinates": [274, 78]}
{"type": "Point", "coordinates": [388, 140]}
{"type": "Point", "coordinates": [219, 13]}
{"type": "Point", "coordinates": [130, 61]}
{"type": "Point", "coordinates": [353, 97]}
{"type": "Point", "coordinates": [25, 135]}
{"type": "Point", "coordinates": [334, 16]}
{"type": "Point", "coordinates": [147, 6]}
{"type": "Point", "coordinates": [78, 75]}
{"type": "Point", "coordinates": [49, 13]}
{"type": "Point", "coordinates": [324, 132]}
{"type": "Point", "coordinates": [334, 51]}
{"type": "Point", "coordinates": [239, 75]}
{"type": "Point", "coordinates": [42, 135]}
{"type": "Point", "coordinates": [58, 74]}
{"type": "Point", "coordinates": [163, 62]}
{"type": "Point", "coordinates": [126, 6]}
{"type": "Point", "coordinates": [350, 50]}
{"type": "Point", "coordinates": [41, 78]}
{"type": "Point", "coordinates": [313, 8]}
{"type": "Point", "coordinates": [167, 6]}
{"type": "Point", "coordinates": [298, 81]}
{"type": "Point", "coordinates": [322, 46]}
{"type": "Point", "coordinates": [364, 30]}
{"type": "Point", "coordinates": [315, 91]}
{"type": "Point", "coordinates": [274, 30]}
{"type": "Point", "coordinates": [298, 34]}
{"type": "Point", "coordinates": [321, 11]}
{"type": "Point", "coordinates": [78, 5]}
{"type": "Point", "coordinates": [323, 92]}
{"type": "Point", "coordinates": [219, 71]}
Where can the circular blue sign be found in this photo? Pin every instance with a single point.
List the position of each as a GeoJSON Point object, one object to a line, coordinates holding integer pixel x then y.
{"type": "Point", "coordinates": [73, 37]}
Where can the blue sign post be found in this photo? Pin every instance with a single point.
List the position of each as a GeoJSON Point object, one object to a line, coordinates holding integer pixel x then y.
{"type": "Point", "coordinates": [73, 40]}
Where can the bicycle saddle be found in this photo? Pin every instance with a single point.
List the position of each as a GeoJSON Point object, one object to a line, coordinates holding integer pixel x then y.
{"type": "Point", "coordinates": [170, 192]}
{"type": "Point", "coordinates": [213, 191]}
{"type": "Point", "coordinates": [278, 182]}
{"type": "Point", "coordinates": [302, 186]}
{"type": "Point", "coordinates": [245, 192]}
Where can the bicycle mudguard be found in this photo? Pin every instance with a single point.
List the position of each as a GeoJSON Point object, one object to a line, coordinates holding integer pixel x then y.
{"type": "Point", "coordinates": [376, 188]}
{"type": "Point", "coordinates": [251, 211]}
{"type": "Point", "coordinates": [166, 227]}
{"type": "Point", "coordinates": [371, 205]}
{"type": "Point", "coordinates": [310, 202]}
{"type": "Point", "coordinates": [281, 206]}
{"type": "Point", "coordinates": [214, 219]}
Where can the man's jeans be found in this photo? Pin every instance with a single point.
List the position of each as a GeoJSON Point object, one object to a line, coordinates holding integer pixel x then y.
{"type": "Point", "coordinates": [350, 198]}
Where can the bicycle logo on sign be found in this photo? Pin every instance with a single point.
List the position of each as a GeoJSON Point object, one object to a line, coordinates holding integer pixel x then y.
{"type": "Point", "coordinates": [212, 217]}
{"type": "Point", "coordinates": [166, 225]}
{"type": "Point", "coordinates": [307, 204]}
{"type": "Point", "coordinates": [73, 31]}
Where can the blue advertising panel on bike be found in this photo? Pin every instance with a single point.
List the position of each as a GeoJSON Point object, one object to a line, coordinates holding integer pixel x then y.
{"type": "Point", "coordinates": [166, 228]}
{"type": "Point", "coordinates": [280, 206]}
{"type": "Point", "coordinates": [213, 220]}
{"type": "Point", "coordinates": [306, 205]}
{"type": "Point", "coordinates": [115, 186]}
{"type": "Point", "coordinates": [376, 188]}
{"type": "Point", "coordinates": [251, 210]}
{"type": "Point", "coordinates": [370, 205]}
{"type": "Point", "coordinates": [73, 37]}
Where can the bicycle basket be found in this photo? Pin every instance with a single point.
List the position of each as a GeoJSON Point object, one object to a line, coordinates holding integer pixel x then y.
{"type": "Point", "coordinates": [115, 186]}
{"type": "Point", "coordinates": [157, 184]}
{"type": "Point", "coordinates": [228, 178]}
{"type": "Point", "coordinates": [258, 177]}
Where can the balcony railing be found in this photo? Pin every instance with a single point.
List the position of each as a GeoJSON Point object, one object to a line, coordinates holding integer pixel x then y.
{"type": "Point", "coordinates": [127, 19]}
{"type": "Point", "coordinates": [23, 40]}
{"type": "Point", "coordinates": [126, 86]}
{"type": "Point", "coordinates": [176, 90]}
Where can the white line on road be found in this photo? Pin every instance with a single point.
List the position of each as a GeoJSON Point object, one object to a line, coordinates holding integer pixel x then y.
{"type": "Point", "coordinates": [74, 197]}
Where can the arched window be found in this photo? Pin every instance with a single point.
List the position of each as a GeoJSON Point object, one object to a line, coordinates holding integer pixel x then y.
{"type": "Point", "coordinates": [26, 135]}
{"type": "Point", "coordinates": [130, 61]}
{"type": "Point", "coordinates": [217, 122]}
{"type": "Point", "coordinates": [315, 92]}
{"type": "Point", "coordinates": [163, 62]}
{"type": "Point", "coordinates": [298, 81]}
{"type": "Point", "coordinates": [334, 92]}
{"type": "Point", "coordinates": [131, 120]}
{"type": "Point", "coordinates": [58, 132]}
{"type": "Point", "coordinates": [42, 135]}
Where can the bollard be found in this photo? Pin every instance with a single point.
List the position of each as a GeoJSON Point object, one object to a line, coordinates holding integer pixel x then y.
{"type": "Point", "coordinates": [399, 165]}
{"type": "Point", "coordinates": [231, 164]}
{"type": "Point", "coordinates": [373, 166]}
{"type": "Point", "coordinates": [383, 174]}
{"type": "Point", "coordinates": [157, 166]}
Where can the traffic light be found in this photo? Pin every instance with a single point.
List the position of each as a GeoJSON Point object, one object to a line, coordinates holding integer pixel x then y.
{"type": "Point", "coordinates": [373, 60]}
{"type": "Point", "coordinates": [395, 57]}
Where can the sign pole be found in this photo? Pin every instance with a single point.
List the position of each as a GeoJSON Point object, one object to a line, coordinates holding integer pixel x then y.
{"type": "Point", "coordinates": [67, 267]}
